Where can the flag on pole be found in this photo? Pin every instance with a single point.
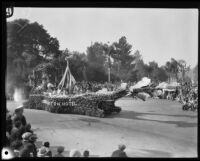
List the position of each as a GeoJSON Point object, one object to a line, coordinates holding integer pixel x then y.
{"type": "Point", "coordinates": [67, 80]}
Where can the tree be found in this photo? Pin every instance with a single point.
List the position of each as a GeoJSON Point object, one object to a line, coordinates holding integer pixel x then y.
{"type": "Point", "coordinates": [78, 65]}
{"type": "Point", "coordinates": [183, 68]}
{"type": "Point", "coordinates": [96, 54]}
{"type": "Point", "coordinates": [122, 51]}
{"type": "Point", "coordinates": [195, 71]}
{"type": "Point", "coordinates": [172, 68]}
{"type": "Point", "coordinates": [29, 44]}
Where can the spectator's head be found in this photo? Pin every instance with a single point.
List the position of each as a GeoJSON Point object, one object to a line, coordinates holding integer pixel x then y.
{"type": "Point", "coordinates": [19, 109]}
{"type": "Point", "coordinates": [46, 144]}
{"type": "Point", "coordinates": [28, 126]}
{"type": "Point", "coordinates": [86, 153]}
{"type": "Point", "coordinates": [16, 144]}
{"type": "Point", "coordinates": [74, 153]}
{"type": "Point", "coordinates": [26, 136]}
{"type": "Point", "coordinates": [18, 124]}
{"type": "Point", "coordinates": [121, 147]}
{"type": "Point", "coordinates": [60, 149]}
{"type": "Point", "coordinates": [42, 152]}
{"type": "Point", "coordinates": [33, 138]}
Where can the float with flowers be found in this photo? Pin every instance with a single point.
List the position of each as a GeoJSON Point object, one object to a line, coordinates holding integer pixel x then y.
{"type": "Point", "coordinates": [97, 104]}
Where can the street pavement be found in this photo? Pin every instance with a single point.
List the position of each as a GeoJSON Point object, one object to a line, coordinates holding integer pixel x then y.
{"type": "Point", "coordinates": [151, 128]}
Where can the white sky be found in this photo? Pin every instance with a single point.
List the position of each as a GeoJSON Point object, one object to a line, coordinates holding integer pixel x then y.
{"type": "Point", "coordinates": [158, 34]}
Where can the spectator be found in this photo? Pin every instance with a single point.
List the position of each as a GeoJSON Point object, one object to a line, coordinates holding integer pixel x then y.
{"type": "Point", "coordinates": [60, 150]}
{"type": "Point", "coordinates": [32, 139]}
{"type": "Point", "coordinates": [42, 152]}
{"type": "Point", "coordinates": [26, 151]}
{"type": "Point", "coordinates": [28, 128]}
{"type": "Point", "coordinates": [27, 139]}
{"type": "Point", "coordinates": [16, 146]}
{"type": "Point", "coordinates": [74, 153]}
{"type": "Point", "coordinates": [7, 141]}
{"type": "Point", "coordinates": [9, 124]}
{"type": "Point", "coordinates": [15, 132]}
{"type": "Point", "coordinates": [18, 115]}
{"type": "Point", "coordinates": [86, 154]}
{"type": "Point", "coordinates": [47, 145]}
{"type": "Point", "coordinates": [120, 152]}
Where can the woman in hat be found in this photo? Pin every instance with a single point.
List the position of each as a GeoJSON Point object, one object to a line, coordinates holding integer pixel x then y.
{"type": "Point", "coordinates": [42, 152]}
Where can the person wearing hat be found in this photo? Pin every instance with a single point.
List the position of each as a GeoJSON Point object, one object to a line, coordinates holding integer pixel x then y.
{"type": "Point", "coordinates": [60, 150]}
{"type": "Point", "coordinates": [120, 152]}
{"type": "Point", "coordinates": [29, 138]}
{"type": "Point", "coordinates": [47, 145]}
{"type": "Point", "coordinates": [42, 152]}
{"type": "Point", "coordinates": [32, 140]}
{"type": "Point", "coordinates": [18, 115]}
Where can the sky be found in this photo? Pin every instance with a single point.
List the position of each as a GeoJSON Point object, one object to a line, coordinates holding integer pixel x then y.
{"type": "Point", "coordinates": [159, 34]}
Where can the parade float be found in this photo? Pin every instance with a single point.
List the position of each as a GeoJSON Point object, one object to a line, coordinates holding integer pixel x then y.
{"type": "Point", "coordinates": [97, 104]}
{"type": "Point", "coordinates": [91, 103]}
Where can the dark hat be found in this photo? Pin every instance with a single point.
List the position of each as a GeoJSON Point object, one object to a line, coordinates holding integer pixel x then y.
{"type": "Point", "coordinates": [33, 137]}
{"type": "Point", "coordinates": [60, 149]}
{"type": "Point", "coordinates": [86, 153]}
{"type": "Point", "coordinates": [46, 144]}
{"type": "Point", "coordinates": [121, 146]}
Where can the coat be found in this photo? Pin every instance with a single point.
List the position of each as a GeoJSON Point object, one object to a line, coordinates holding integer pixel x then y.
{"type": "Point", "coordinates": [119, 153]}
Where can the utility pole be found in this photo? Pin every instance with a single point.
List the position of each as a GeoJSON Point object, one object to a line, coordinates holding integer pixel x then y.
{"type": "Point", "coordinates": [109, 64]}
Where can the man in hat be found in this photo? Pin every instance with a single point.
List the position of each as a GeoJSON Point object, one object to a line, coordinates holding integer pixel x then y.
{"type": "Point", "coordinates": [18, 115]}
{"type": "Point", "coordinates": [32, 140]}
{"type": "Point", "coordinates": [120, 152]}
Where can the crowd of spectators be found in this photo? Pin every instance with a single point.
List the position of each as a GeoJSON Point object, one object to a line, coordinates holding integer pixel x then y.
{"type": "Point", "coordinates": [189, 97]}
{"type": "Point", "coordinates": [21, 139]}
{"type": "Point", "coordinates": [186, 94]}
